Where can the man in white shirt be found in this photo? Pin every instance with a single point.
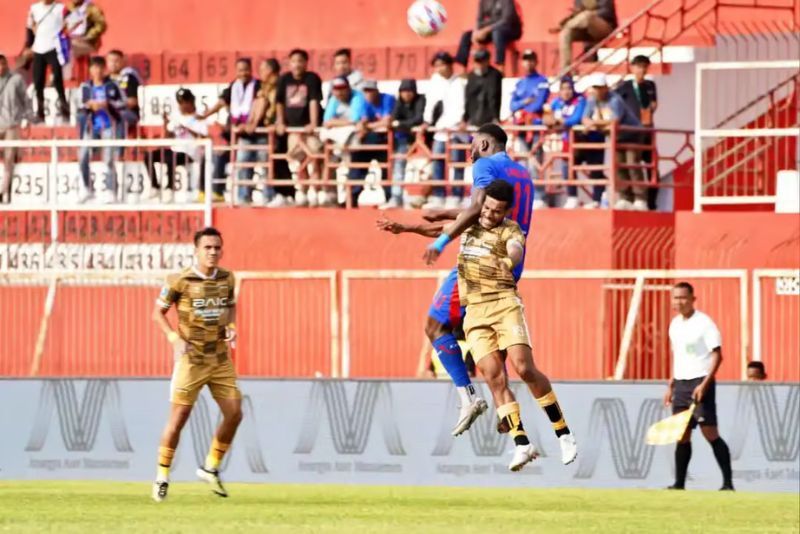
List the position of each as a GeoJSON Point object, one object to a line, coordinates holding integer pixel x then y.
{"type": "Point", "coordinates": [697, 355]}
{"type": "Point", "coordinates": [46, 23]}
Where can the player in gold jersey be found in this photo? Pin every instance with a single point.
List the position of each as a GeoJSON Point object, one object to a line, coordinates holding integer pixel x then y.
{"type": "Point", "coordinates": [495, 325]}
{"type": "Point", "coordinates": [206, 306]}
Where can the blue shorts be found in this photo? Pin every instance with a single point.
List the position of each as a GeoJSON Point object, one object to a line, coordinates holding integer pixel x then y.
{"type": "Point", "coordinates": [445, 307]}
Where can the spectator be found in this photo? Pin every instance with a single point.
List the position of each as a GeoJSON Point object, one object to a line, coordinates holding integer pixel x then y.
{"type": "Point", "coordinates": [373, 129]}
{"type": "Point", "coordinates": [47, 42]}
{"type": "Point", "coordinates": [85, 25]}
{"type": "Point", "coordinates": [566, 111]}
{"type": "Point", "coordinates": [756, 372]}
{"type": "Point", "coordinates": [298, 100]}
{"type": "Point", "coordinates": [129, 81]}
{"type": "Point", "coordinates": [527, 103]}
{"type": "Point", "coordinates": [602, 110]}
{"type": "Point", "coordinates": [444, 110]}
{"type": "Point", "coordinates": [13, 110]}
{"type": "Point", "coordinates": [590, 22]}
{"type": "Point", "coordinates": [186, 124]}
{"type": "Point", "coordinates": [238, 98]}
{"type": "Point", "coordinates": [498, 22]}
{"type": "Point", "coordinates": [408, 112]}
{"type": "Point", "coordinates": [101, 103]}
{"type": "Point", "coordinates": [343, 68]}
{"type": "Point", "coordinates": [483, 92]}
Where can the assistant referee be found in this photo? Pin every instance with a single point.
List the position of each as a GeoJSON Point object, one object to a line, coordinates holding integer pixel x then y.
{"type": "Point", "coordinates": [696, 357]}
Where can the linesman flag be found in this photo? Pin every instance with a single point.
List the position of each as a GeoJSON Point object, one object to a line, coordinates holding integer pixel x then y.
{"type": "Point", "coordinates": [669, 430]}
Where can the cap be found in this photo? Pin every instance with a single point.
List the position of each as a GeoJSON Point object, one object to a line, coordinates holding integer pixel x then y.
{"type": "Point", "coordinates": [529, 54]}
{"type": "Point", "coordinates": [442, 56]}
{"type": "Point", "coordinates": [598, 79]}
{"type": "Point", "coordinates": [481, 54]}
{"type": "Point", "coordinates": [184, 94]}
{"type": "Point", "coordinates": [369, 85]}
{"type": "Point", "coordinates": [340, 83]}
{"type": "Point", "coordinates": [408, 85]}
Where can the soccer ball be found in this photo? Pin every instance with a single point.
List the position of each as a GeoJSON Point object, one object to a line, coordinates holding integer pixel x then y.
{"type": "Point", "coordinates": [426, 17]}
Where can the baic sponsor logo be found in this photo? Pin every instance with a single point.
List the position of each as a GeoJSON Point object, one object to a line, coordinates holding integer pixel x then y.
{"type": "Point", "coordinates": [757, 406]}
{"type": "Point", "coordinates": [350, 423]}
{"type": "Point", "coordinates": [608, 418]}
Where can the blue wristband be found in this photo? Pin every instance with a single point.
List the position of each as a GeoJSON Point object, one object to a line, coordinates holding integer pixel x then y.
{"type": "Point", "coordinates": [440, 242]}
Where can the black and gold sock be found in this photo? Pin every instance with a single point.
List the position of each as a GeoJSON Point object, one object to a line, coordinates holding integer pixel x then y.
{"type": "Point", "coordinates": [510, 414]}
{"type": "Point", "coordinates": [549, 404]}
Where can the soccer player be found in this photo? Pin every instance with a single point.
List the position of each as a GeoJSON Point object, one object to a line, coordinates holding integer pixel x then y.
{"type": "Point", "coordinates": [204, 297]}
{"type": "Point", "coordinates": [696, 357]}
{"type": "Point", "coordinates": [495, 325]}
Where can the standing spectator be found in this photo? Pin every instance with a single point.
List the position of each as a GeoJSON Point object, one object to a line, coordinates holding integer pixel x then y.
{"type": "Point", "coordinates": [13, 110]}
{"type": "Point", "coordinates": [566, 111]}
{"type": "Point", "coordinates": [444, 110]}
{"type": "Point", "coordinates": [697, 355]}
{"type": "Point", "coordinates": [483, 92]}
{"type": "Point", "coordinates": [298, 99]}
{"type": "Point", "coordinates": [238, 98]}
{"type": "Point", "coordinates": [408, 112]}
{"type": "Point", "coordinates": [498, 22]}
{"type": "Point", "coordinates": [379, 107]}
{"type": "Point", "coordinates": [602, 110]}
{"type": "Point", "coordinates": [46, 25]}
{"type": "Point", "coordinates": [101, 102]}
{"type": "Point", "coordinates": [756, 372]}
{"type": "Point", "coordinates": [344, 120]}
{"type": "Point", "coordinates": [590, 21]}
{"type": "Point", "coordinates": [129, 81]}
{"type": "Point", "coordinates": [343, 68]}
{"type": "Point", "coordinates": [85, 25]}
{"type": "Point", "coordinates": [186, 124]}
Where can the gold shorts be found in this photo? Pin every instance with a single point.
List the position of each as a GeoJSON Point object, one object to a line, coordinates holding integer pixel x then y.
{"type": "Point", "coordinates": [190, 375]}
{"type": "Point", "coordinates": [495, 325]}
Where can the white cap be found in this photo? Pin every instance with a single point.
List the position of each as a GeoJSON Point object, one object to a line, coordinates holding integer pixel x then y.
{"type": "Point", "coordinates": [597, 79]}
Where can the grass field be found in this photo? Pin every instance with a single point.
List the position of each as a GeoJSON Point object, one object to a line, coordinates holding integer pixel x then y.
{"type": "Point", "coordinates": [95, 507]}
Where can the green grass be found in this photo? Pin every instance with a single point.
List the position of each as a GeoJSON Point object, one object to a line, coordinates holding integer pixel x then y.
{"type": "Point", "coordinates": [95, 507]}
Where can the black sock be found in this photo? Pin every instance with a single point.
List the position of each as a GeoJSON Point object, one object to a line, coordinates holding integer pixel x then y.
{"type": "Point", "coordinates": [683, 453]}
{"type": "Point", "coordinates": [723, 456]}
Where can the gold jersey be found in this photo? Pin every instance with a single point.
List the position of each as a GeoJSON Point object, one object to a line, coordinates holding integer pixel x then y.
{"type": "Point", "coordinates": [203, 305]}
{"type": "Point", "coordinates": [481, 275]}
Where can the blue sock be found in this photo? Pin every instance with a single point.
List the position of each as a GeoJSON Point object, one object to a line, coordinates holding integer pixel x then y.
{"type": "Point", "coordinates": [449, 353]}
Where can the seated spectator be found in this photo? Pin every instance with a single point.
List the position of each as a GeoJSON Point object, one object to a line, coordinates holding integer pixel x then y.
{"type": "Point", "coordinates": [408, 112]}
{"type": "Point", "coordinates": [129, 81]}
{"type": "Point", "coordinates": [444, 110]}
{"type": "Point", "coordinates": [372, 131]}
{"type": "Point", "coordinates": [185, 124]}
{"type": "Point", "coordinates": [590, 21]}
{"type": "Point", "coordinates": [566, 111]}
{"type": "Point", "coordinates": [756, 372]}
{"type": "Point", "coordinates": [44, 38]}
{"type": "Point", "coordinates": [297, 101]}
{"type": "Point", "coordinates": [343, 68]}
{"type": "Point", "coordinates": [101, 103]}
{"type": "Point", "coordinates": [14, 109]}
{"type": "Point", "coordinates": [238, 98]}
{"type": "Point", "coordinates": [499, 22]}
{"type": "Point", "coordinates": [85, 25]}
{"type": "Point", "coordinates": [602, 110]}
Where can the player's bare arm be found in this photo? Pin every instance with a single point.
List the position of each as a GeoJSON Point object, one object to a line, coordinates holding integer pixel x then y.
{"type": "Point", "coordinates": [433, 229]}
{"type": "Point", "coordinates": [160, 318]}
{"type": "Point", "coordinates": [441, 214]}
{"type": "Point", "coordinates": [465, 219]}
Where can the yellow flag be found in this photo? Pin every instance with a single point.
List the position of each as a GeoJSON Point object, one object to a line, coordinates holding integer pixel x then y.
{"type": "Point", "coordinates": [669, 430]}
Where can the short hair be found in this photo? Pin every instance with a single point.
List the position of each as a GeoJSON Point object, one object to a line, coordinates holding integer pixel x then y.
{"type": "Point", "coordinates": [273, 64]}
{"type": "Point", "coordinates": [640, 60]}
{"type": "Point", "coordinates": [97, 61]}
{"type": "Point", "coordinates": [495, 132]}
{"type": "Point", "coordinates": [299, 51]}
{"type": "Point", "coordinates": [115, 52]}
{"type": "Point", "coordinates": [207, 231]}
{"type": "Point", "coordinates": [685, 285]}
{"type": "Point", "coordinates": [757, 365]}
{"type": "Point", "coordinates": [3, 57]}
{"type": "Point", "coordinates": [344, 52]}
{"type": "Point", "coordinates": [501, 190]}
{"type": "Point", "coordinates": [246, 60]}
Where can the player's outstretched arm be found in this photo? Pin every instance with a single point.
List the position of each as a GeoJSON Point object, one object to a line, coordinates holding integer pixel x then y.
{"type": "Point", "coordinates": [465, 219]}
{"type": "Point", "coordinates": [432, 229]}
{"type": "Point", "coordinates": [441, 214]}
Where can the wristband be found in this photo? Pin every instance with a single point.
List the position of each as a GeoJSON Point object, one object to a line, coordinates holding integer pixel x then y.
{"type": "Point", "coordinates": [440, 243]}
{"type": "Point", "coordinates": [508, 263]}
{"type": "Point", "coordinates": [173, 337]}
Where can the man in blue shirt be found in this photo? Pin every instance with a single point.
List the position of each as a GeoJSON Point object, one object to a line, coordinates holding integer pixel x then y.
{"type": "Point", "coordinates": [372, 130]}
{"type": "Point", "coordinates": [566, 111]}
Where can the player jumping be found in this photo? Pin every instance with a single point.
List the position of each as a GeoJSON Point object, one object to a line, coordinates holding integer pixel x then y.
{"type": "Point", "coordinates": [204, 297]}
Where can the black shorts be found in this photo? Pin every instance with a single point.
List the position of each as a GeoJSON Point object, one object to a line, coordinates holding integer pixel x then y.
{"type": "Point", "coordinates": [705, 414]}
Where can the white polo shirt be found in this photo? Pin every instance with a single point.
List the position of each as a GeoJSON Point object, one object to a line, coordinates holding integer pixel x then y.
{"type": "Point", "coordinates": [693, 340]}
{"type": "Point", "coordinates": [46, 21]}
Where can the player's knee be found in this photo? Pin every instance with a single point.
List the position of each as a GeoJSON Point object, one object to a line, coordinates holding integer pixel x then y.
{"type": "Point", "coordinates": [434, 329]}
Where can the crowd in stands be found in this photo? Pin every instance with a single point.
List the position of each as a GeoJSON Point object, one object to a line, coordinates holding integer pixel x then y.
{"type": "Point", "coordinates": [288, 113]}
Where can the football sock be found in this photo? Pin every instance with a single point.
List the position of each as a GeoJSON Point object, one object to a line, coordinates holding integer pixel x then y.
{"type": "Point", "coordinates": [510, 412]}
{"type": "Point", "coordinates": [466, 394]}
{"type": "Point", "coordinates": [165, 456]}
{"type": "Point", "coordinates": [449, 353]}
{"type": "Point", "coordinates": [683, 453]}
{"type": "Point", "coordinates": [549, 404]}
{"type": "Point", "coordinates": [723, 456]}
{"type": "Point", "coordinates": [215, 453]}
